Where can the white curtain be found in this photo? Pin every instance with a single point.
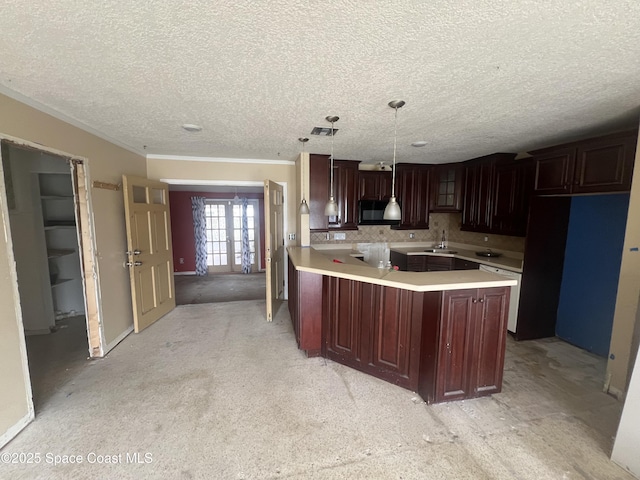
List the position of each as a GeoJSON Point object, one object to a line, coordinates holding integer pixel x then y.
{"type": "Point", "coordinates": [200, 234]}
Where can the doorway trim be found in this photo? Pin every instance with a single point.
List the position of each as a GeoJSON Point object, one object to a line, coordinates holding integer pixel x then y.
{"type": "Point", "coordinates": [79, 169]}
{"type": "Point", "coordinates": [245, 183]}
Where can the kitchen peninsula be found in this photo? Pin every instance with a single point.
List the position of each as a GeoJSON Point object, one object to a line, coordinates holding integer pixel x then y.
{"type": "Point", "coordinates": [441, 334]}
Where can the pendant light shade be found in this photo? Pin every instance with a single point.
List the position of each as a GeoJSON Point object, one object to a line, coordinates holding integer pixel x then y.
{"type": "Point", "coordinates": [331, 208]}
{"type": "Point", "coordinates": [303, 209]}
{"type": "Point", "coordinates": [392, 211]}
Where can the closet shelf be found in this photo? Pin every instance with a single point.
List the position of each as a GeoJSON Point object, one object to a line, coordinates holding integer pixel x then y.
{"type": "Point", "coordinates": [59, 252]}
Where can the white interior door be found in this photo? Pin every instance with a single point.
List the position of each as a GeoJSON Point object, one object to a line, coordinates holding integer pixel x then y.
{"type": "Point", "coordinates": [274, 247]}
{"type": "Point", "coordinates": [150, 256]}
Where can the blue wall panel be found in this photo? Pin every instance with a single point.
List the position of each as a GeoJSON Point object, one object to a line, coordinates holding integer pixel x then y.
{"type": "Point", "coordinates": [591, 269]}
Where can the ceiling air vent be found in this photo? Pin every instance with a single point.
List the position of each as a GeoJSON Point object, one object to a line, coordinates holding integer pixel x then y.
{"type": "Point", "coordinates": [323, 131]}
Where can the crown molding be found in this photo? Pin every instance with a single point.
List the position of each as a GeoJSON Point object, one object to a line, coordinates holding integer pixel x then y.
{"type": "Point", "coordinates": [65, 118]}
{"type": "Point", "coordinates": [186, 158]}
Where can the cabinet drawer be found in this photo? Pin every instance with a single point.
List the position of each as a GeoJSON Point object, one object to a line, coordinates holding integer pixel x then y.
{"type": "Point", "coordinates": [460, 264]}
{"type": "Point", "coordinates": [416, 263]}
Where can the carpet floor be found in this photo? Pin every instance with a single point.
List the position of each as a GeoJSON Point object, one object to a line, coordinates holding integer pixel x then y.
{"type": "Point", "coordinates": [228, 287]}
{"type": "Point", "coordinates": [214, 391]}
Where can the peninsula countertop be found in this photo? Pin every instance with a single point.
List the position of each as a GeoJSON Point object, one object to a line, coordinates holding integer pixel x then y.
{"type": "Point", "coordinates": [339, 263]}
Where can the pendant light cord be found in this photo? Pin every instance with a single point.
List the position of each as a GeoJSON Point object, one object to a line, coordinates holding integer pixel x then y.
{"type": "Point", "coordinates": [332, 130]}
{"type": "Point", "coordinates": [395, 144]}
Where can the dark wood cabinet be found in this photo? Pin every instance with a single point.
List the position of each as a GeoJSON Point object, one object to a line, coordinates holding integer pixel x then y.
{"type": "Point", "coordinates": [374, 185]}
{"type": "Point", "coordinates": [476, 212]}
{"type": "Point", "coordinates": [345, 186]}
{"type": "Point", "coordinates": [462, 264]}
{"type": "Point", "coordinates": [318, 192]}
{"type": "Point", "coordinates": [598, 165]}
{"type": "Point", "coordinates": [306, 319]}
{"type": "Point", "coordinates": [470, 345]}
{"type": "Point", "coordinates": [412, 192]}
{"type": "Point", "coordinates": [373, 329]}
{"type": "Point", "coordinates": [479, 188]}
{"type": "Point", "coordinates": [430, 263]}
{"type": "Point", "coordinates": [345, 181]}
{"type": "Point", "coordinates": [513, 187]}
{"type": "Point", "coordinates": [446, 188]}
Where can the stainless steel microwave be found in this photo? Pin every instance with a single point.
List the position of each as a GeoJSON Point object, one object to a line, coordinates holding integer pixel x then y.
{"type": "Point", "coordinates": [370, 212]}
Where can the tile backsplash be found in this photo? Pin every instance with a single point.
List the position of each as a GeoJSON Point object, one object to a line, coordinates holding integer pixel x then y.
{"type": "Point", "coordinates": [449, 222]}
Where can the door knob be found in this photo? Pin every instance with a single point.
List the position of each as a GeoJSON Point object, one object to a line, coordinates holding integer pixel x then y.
{"type": "Point", "coordinates": [133, 264]}
{"type": "Point", "coordinates": [135, 252]}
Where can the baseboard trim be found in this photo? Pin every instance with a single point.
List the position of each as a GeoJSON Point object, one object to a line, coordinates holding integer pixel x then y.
{"type": "Point", "coordinates": [184, 273]}
{"type": "Point", "coordinates": [118, 339]}
{"type": "Point", "coordinates": [617, 393]}
{"type": "Point", "coordinates": [10, 434]}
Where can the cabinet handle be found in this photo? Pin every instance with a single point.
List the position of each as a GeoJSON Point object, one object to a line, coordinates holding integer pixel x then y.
{"type": "Point", "coordinates": [481, 300]}
{"type": "Point", "coordinates": [475, 300]}
{"type": "Point", "coordinates": [449, 347]}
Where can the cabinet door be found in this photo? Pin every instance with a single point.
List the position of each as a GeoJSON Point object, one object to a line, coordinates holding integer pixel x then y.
{"type": "Point", "coordinates": [554, 172]}
{"type": "Point", "coordinates": [439, 264]}
{"type": "Point", "coordinates": [342, 335]}
{"type": "Point", "coordinates": [476, 213]}
{"type": "Point", "coordinates": [412, 189]}
{"type": "Point", "coordinates": [604, 166]}
{"type": "Point", "coordinates": [369, 186]}
{"type": "Point", "coordinates": [512, 191]}
{"type": "Point", "coordinates": [346, 193]}
{"type": "Point", "coordinates": [390, 345]}
{"type": "Point", "coordinates": [416, 263]}
{"type": "Point", "coordinates": [421, 186]}
{"type": "Point", "coordinates": [490, 330]}
{"type": "Point", "coordinates": [446, 191]}
{"type": "Point", "coordinates": [374, 185]}
{"type": "Point", "coordinates": [455, 345]}
{"type": "Point", "coordinates": [318, 192]}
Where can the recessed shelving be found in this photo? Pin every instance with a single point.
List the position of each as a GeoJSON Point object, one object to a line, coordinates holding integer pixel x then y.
{"type": "Point", "coordinates": [60, 281]}
{"type": "Point", "coordinates": [59, 252]}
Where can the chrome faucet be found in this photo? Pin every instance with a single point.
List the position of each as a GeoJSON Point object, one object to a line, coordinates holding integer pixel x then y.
{"type": "Point", "coordinates": [443, 242]}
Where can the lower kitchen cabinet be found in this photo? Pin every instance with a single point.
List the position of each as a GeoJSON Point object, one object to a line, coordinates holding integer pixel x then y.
{"type": "Point", "coordinates": [373, 329]}
{"type": "Point", "coordinates": [305, 309]}
{"type": "Point", "coordinates": [470, 345]}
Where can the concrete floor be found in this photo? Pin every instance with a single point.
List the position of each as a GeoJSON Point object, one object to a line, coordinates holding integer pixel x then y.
{"type": "Point", "coordinates": [213, 391]}
{"type": "Point", "coordinates": [226, 287]}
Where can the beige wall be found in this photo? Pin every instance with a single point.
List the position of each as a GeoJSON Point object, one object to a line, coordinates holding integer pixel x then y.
{"type": "Point", "coordinates": [232, 172]}
{"type": "Point", "coordinates": [106, 162]}
{"type": "Point", "coordinates": [624, 320]}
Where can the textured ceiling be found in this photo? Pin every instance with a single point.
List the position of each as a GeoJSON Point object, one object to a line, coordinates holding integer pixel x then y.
{"type": "Point", "coordinates": [478, 76]}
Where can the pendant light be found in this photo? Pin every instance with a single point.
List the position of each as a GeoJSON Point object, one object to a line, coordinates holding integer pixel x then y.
{"type": "Point", "coordinates": [331, 208]}
{"type": "Point", "coordinates": [304, 207]}
{"type": "Point", "coordinates": [392, 211]}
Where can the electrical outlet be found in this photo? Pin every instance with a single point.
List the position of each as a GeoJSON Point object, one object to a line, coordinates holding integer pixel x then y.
{"type": "Point", "coordinates": [292, 236]}
{"type": "Point", "coordinates": [182, 261]}
{"type": "Point", "coordinates": [339, 236]}
{"type": "Point", "coordinates": [486, 239]}
{"type": "Point", "coordinates": [412, 235]}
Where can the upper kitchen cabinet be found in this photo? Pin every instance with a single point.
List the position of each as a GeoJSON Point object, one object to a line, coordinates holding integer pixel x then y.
{"type": "Point", "coordinates": [446, 188]}
{"type": "Point", "coordinates": [412, 190]}
{"type": "Point", "coordinates": [479, 190]}
{"type": "Point", "coordinates": [597, 165]}
{"type": "Point", "coordinates": [374, 185]}
{"type": "Point", "coordinates": [318, 192]}
{"type": "Point", "coordinates": [345, 186]}
{"type": "Point", "coordinates": [345, 181]}
{"type": "Point", "coordinates": [513, 186]}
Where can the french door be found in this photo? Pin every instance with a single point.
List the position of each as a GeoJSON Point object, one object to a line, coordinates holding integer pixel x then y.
{"type": "Point", "coordinates": [224, 235]}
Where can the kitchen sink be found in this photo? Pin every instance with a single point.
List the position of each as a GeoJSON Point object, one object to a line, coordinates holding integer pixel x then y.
{"type": "Point", "coordinates": [440, 250]}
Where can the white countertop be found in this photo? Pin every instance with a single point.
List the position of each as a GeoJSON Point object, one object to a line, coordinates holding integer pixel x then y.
{"type": "Point", "coordinates": [307, 259]}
